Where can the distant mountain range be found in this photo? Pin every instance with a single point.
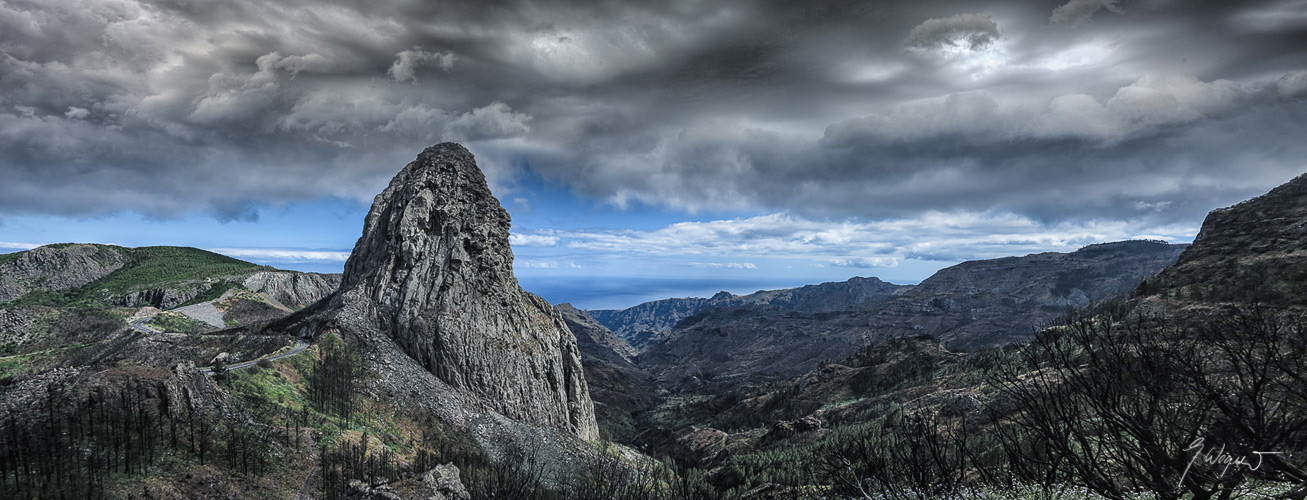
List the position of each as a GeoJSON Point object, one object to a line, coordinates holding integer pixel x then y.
{"type": "Point", "coordinates": [644, 323]}
{"type": "Point", "coordinates": [777, 334]}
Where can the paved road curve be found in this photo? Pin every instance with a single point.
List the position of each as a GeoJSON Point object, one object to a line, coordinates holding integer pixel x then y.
{"type": "Point", "coordinates": [140, 326]}
{"type": "Point", "coordinates": [300, 346]}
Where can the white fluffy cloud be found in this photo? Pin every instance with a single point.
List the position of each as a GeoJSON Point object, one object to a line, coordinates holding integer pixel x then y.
{"type": "Point", "coordinates": [725, 265]}
{"type": "Point", "coordinates": [937, 236]}
{"type": "Point", "coordinates": [495, 121]}
{"type": "Point", "coordinates": [77, 113]}
{"type": "Point", "coordinates": [314, 63]}
{"type": "Point", "coordinates": [865, 263]}
{"type": "Point", "coordinates": [283, 255]}
{"type": "Point", "coordinates": [408, 62]}
{"type": "Point", "coordinates": [532, 240]}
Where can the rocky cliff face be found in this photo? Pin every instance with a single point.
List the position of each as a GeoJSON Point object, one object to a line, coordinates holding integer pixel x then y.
{"type": "Point", "coordinates": [163, 298]}
{"type": "Point", "coordinates": [432, 276]}
{"type": "Point", "coordinates": [594, 339]}
{"type": "Point", "coordinates": [618, 388]}
{"type": "Point", "coordinates": [56, 267]}
{"type": "Point", "coordinates": [1255, 250]}
{"type": "Point", "coordinates": [293, 290]}
{"type": "Point", "coordinates": [641, 324]}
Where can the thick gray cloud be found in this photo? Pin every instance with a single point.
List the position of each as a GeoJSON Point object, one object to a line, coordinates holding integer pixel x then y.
{"type": "Point", "coordinates": [408, 62]}
{"type": "Point", "coordinates": [969, 31]}
{"type": "Point", "coordinates": [1160, 111]}
{"type": "Point", "coordinates": [1075, 12]}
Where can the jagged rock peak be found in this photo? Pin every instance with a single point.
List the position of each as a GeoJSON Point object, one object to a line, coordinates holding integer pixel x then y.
{"type": "Point", "coordinates": [441, 189]}
{"type": "Point", "coordinates": [433, 271]}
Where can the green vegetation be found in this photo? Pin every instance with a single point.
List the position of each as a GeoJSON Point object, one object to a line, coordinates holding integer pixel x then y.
{"type": "Point", "coordinates": [319, 393]}
{"type": "Point", "coordinates": [11, 365]}
{"type": "Point", "coordinates": [901, 430]}
{"type": "Point", "coordinates": [44, 298]}
{"type": "Point", "coordinates": [334, 383]}
{"type": "Point", "coordinates": [212, 293]}
{"type": "Point", "coordinates": [17, 366]}
{"type": "Point", "coordinates": [6, 258]}
{"type": "Point", "coordinates": [178, 323]}
{"type": "Point", "coordinates": [149, 268]}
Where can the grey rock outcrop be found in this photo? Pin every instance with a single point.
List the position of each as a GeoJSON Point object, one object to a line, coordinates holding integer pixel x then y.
{"type": "Point", "coordinates": [432, 276]}
{"type": "Point", "coordinates": [595, 340]}
{"type": "Point", "coordinates": [293, 290]}
{"type": "Point", "coordinates": [188, 387]}
{"type": "Point", "coordinates": [618, 388]}
{"type": "Point", "coordinates": [163, 298]}
{"type": "Point", "coordinates": [16, 324]}
{"type": "Point", "coordinates": [440, 483]}
{"type": "Point", "coordinates": [56, 267]}
{"type": "Point", "coordinates": [444, 481]}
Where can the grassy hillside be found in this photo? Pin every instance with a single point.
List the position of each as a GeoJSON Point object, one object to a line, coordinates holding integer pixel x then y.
{"type": "Point", "coordinates": [146, 268]}
{"type": "Point", "coordinates": [153, 266]}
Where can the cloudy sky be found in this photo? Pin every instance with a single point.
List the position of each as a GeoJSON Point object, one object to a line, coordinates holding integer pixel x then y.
{"type": "Point", "coordinates": [655, 148]}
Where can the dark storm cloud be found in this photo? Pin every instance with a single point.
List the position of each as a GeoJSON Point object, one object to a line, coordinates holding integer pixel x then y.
{"type": "Point", "coordinates": [972, 30]}
{"type": "Point", "coordinates": [1075, 12]}
{"type": "Point", "coordinates": [1160, 110]}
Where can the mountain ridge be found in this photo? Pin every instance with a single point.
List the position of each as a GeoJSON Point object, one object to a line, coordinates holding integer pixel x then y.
{"type": "Point", "coordinates": [967, 306]}
{"type": "Point", "coordinates": [97, 275]}
{"type": "Point", "coordinates": [648, 322]}
{"type": "Point", "coordinates": [1257, 248]}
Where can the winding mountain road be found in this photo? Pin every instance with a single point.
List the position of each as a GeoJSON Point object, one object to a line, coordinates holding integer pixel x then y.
{"type": "Point", "coordinates": [300, 346]}
{"type": "Point", "coordinates": [140, 326]}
